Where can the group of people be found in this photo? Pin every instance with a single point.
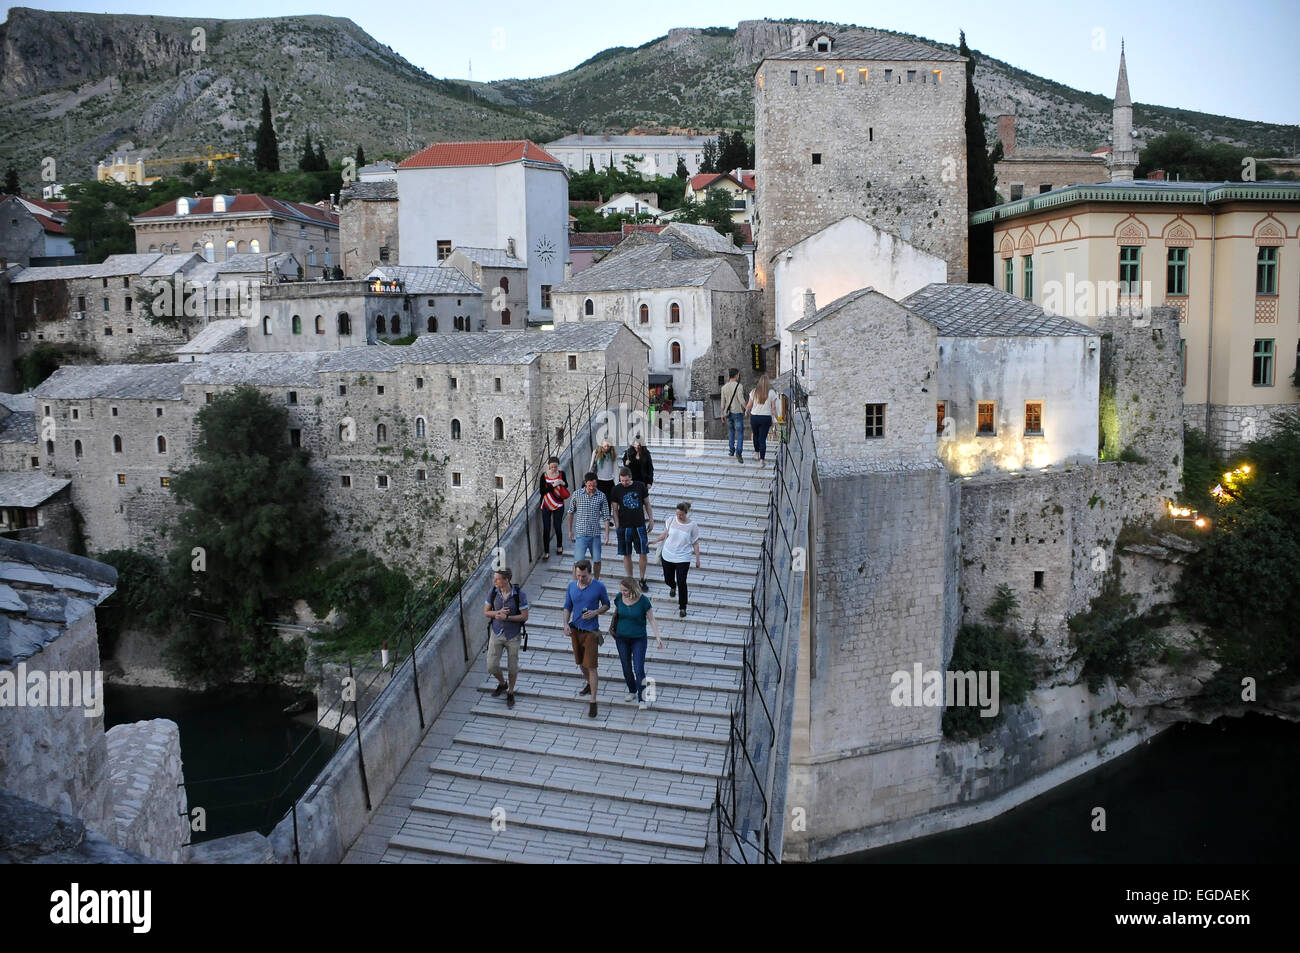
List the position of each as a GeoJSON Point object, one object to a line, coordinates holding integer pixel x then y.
{"type": "Point", "coordinates": [761, 407]}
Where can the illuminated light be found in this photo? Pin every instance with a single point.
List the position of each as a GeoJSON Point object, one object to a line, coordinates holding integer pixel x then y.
{"type": "Point", "coordinates": [1217, 490]}
{"type": "Point", "coordinates": [1227, 478]}
{"type": "Point", "coordinates": [1245, 468]}
{"type": "Point", "coordinates": [1200, 522]}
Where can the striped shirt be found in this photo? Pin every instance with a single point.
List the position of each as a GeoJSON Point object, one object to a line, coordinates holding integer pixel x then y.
{"type": "Point", "coordinates": [590, 512]}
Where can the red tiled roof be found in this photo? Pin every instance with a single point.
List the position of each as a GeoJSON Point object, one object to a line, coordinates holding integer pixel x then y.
{"type": "Point", "coordinates": [445, 154]}
{"type": "Point", "coordinates": [594, 239]}
{"type": "Point", "coordinates": [653, 229]}
{"type": "Point", "coordinates": [583, 203]}
{"type": "Point", "coordinates": [746, 233]}
{"type": "Point", "coordinates": [246, 204]}
{"type": "Point", "coordinates": [54, 208]}
{"type": "Point", "coordinates": [702, 180]}
{"type": "Point", "coordinates": [747, 180]}
{"type": "Point", "coordinates": [709, 179]}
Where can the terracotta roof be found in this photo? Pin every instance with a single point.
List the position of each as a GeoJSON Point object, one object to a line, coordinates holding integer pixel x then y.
{"type": "Point", "coordinates": [708, 179]}
{"type": "Point", "coordinates": [628, 229]}
{"type": "Point", "coordinates": [244, 204]}
{"type": "Point", "coordinates": [746, 233]}
{"type": "Point", "coordinates": [583, 203]}
{"type": "Point", "coordinates": [447, 154]}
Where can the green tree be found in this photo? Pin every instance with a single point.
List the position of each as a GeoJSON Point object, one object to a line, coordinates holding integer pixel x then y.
{"type": "Point", "coordinates": [712, 152]}
{"type": "Point", "coordinates": [733, 151]}
{"type": "Point", "coordinates": [591, 165]}
{"type": "Point", "coordinates": [715, 210]}
{"type": "Point", "coordinates": [994, 647]}
{"type": "Point", "coordinates": [1182, 155]}
{"type": "Point", "coordinates": [99, 218]}
{"type": "Point", "coordinates": [307, 161]}
{"type": "Point", "coordinates": [266, 157]}
{"type": "Point", "coordinates": [361, 156]}
{"type": "Point", "coordinates": [981, 179]}
{"type": "Point", "coordinates": [322, 164]}
{"type": "Point", "coordinates": [247, 512]}
{"type": "Point", "coordinates": [681, 172]}
{"type": "Point", "coordinates": [11, 180]}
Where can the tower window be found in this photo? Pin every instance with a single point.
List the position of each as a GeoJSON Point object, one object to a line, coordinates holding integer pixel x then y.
{"type": "Point", "coordinates": [794, 77]}
{"type": "Point", "coordinates": [816, 158]}
{"type": "Point", "coordinates": [862, 76]}
{"type": "Point", "coordinates": [875, 420]}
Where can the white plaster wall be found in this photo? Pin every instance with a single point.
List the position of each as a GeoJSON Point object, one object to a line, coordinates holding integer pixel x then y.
{"type": "Point", "coordinates": [1060, 371]}
{"type": "Point", "coordinates": [844, 256]}
{"type": "Point", "coordinates": [547, 198]}
{"type": "Point", "coordinates": [459, 205]}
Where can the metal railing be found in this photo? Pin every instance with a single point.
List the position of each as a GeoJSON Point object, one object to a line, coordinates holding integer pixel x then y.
{"type": "Point", "coordinates": [744, 805]}
{"type": "Point", "coordinates": [368, 682]}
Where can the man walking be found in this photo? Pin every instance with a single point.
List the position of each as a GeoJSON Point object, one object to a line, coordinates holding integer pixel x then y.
{"type": "Point", "coordinates": [633, 518]}
{"type": "Point", "coordinates": [584, 602]}
{"type": "Point", "coordinates": [507, 607]}
{"type": "Point", "coordinates": [733, 406]}
{"type": "Point", "coordinates": [588, 518]}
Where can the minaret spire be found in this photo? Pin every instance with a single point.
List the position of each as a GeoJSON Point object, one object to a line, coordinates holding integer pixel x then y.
{"type": "Point", "coordinates": [1123, 153]}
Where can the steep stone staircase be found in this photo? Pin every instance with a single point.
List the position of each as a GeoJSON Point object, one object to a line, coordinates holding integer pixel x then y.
{"type": "Point", "coordinates": [542, 782]}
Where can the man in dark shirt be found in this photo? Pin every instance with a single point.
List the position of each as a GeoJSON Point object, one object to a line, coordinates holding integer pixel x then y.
{"type": "Point", "coordinates": [633, 518]}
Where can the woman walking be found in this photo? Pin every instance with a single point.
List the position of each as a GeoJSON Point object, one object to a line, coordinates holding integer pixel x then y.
{"type": "Point", "coordinates": [632, 611]}
{"type": "Point", "coordinates": [637, 459]}
{"type": "Point", "coordinates": [554, 489]}
{"type": "Point", "coordinates": [761, 406]}
{"type": "Point", "coordinates": [683, 537]}
{"type": "Point", "coordinates": [604, 463]}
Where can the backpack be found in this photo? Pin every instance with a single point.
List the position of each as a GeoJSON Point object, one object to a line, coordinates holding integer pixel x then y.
{"type": "Point", "coordinates": [523, 626]}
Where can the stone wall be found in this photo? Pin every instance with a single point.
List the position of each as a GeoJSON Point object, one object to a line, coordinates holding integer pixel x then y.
{"type": "Point", "coordinates": [737, 326]}
{"type": "Point", "coordinates": [1141, 392]}
{"type": "Point", "coordinates": [149, 803]}
{"type": "Point", "coordinates": [1033, 173]}
{"type": "Point", "coordinates": [55, 529]}
{"type": "Point", "coordinates": [1231, 426]}
{"type": "Point", "coordinates": [366, 226]}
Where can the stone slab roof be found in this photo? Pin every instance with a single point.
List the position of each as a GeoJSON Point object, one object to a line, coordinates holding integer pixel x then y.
{"type": "Point", "coordinates": [279, 369]}
{"type": "Point", "coordinates": [984, 311]}
{"type": "Point", "coordinates": [19, 426]}
{"type": "Point", "coordinates": [869, 45]}
{"type": "Point", "coordinates": [705, 237]}
{"type": "Point", "coordinates": [490, 257]}
{"type": "Point", "coordinates": [18, 402]}
{"type": "Point", "coordinates": [509, 347]}
{"type": "Point", "coordinates": [223, 336]}
{"type": "Point", "coordinates": [28, 488]}
{"type": "Point", "coordinates": [377, 191]}
{"type": "Point", "coordinates": [114, 266]}
{"type": "Point", "coordinates": [128, 381]}
{"type": "Point", "coordinates": [428, 279]}
{"type": "Point", "coordinates": [803, 324]}
{"type": "Point", "coordinates": [42, 592]}
{"type": "Point", "coordinates": [168, 265]}
{"type": "Point", "coordinates": [637, 270]}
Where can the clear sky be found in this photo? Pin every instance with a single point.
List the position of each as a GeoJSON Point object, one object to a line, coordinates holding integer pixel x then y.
{"type": "Point", "coordinates": [1235, 59]}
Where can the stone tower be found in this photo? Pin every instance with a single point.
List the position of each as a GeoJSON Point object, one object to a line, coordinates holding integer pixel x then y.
{"type": "Point", "coordinates": [866, 124]}
{"type": "Point", "coordinates": [1123, 156]}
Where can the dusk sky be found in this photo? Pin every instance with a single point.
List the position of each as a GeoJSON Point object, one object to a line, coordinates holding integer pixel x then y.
{"type": "Point", "coordinates": [1227, 59]}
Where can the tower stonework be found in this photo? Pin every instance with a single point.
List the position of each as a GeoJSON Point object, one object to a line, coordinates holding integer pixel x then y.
{"type": "Point", "coordinates": [860, 124]}
{"type": "Point", "coordinates": [1123, 155]}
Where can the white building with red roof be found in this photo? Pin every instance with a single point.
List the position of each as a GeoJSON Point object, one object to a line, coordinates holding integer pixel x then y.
{"type": "Point", "coordinates": [511, 195]}
{"type": "Point", "coordinates": [218, 227]}
{"type": "Point", "coordinates": [34, 232]}
{"type": "Point", "coordinates": [739, 183]}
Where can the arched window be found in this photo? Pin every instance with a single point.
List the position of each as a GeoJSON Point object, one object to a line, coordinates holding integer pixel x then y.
{"type": "Point", "coordinates": [209, 251]}
{"type": "Point", "coordinates": [320, 324]}
{"type": "Point", "coordinates": [455, 429]}
{"type": "Point", "coordinates": [381, 325]}
{"type": "Point", "coordinates": [589, 307]}
{"type": "Point", "coordinates": [381, 433]}
{"type": "Point", "coordinates": [498, 429]}
{"type": "Point", "coordinates": [345, 323]}
{"type": "Point", "coordinates": [117, 443]}
{"type": "Point", "coordinates": [397, 325]}
{"type": "Point", "coordinates": [197, 248]}
{"type": "Point", "coordinates": [677, 353]}
{"type": "Point", "coordinates": [255, 247]}
{"type": "Point", "coordinates": [230, 249]}
{"type": "Point", "coordinates": [458, 323]}
{"type": "Point", "coordinates": [674, 313]}
{"type": "Point", "coordinates": [432, 324]}
{"type": "Point", "coordinates": [505, 316]}
{"type": "Point", "coordinates": [241, 247]}
{"type": "Point", "coordinates": [419, 426]}
{"type": "Point", "coordinates": [76, 449]}
{"type": "Point", "coordinates": [505, 284]}
{"type": "Point", "coordinates": [162, 444]}
{"type": "Point", "coordinates": [266, 324]}
{"type": "Point", "coordinates": [296, 324]}
{"type": "Point", "coordinates": [643, 314]}
{"type": "Point", "coordinates": [343, 429]}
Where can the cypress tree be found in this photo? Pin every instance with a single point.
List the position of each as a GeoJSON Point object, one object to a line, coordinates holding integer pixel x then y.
{"type": "Point", "coordinates": [681, 172]}
{"type": "Point", "coordinates": [267, 155]}
{"type": "Point", "coordinates": [308, 161]}
{"type": "Point", "coordinates": [322, 164]}
{"type": "Point", "coordinates": [981, 180]}
{"type": "Point", "coordinates": [361, 156]}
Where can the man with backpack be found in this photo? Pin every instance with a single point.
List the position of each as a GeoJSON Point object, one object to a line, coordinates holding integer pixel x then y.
{"type": "Point", "coordinates": [507, 608]}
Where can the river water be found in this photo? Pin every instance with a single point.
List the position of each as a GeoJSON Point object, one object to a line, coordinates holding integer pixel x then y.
{"type": "Point", "coordinates": [236, 730]}
{"type": "Point", "coordinates": [1196, 794]}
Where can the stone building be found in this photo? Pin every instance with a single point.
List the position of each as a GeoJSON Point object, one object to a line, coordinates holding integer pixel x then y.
{"type": "Point", "coordinates": [368, 233]}
{"type": "Point", "coordinates": [219, 227]}
{"type": "Point", "coordinates": [33, 232]}
{"type": "Point", "coordinates": [866, 124]}
{"type": "Point", "coordinates": [503, 280]}
{"type": "Point", "coordinates": [434, 300]}
{"type": "Point", "coordinates": [36, 508]}
{"type": "Point", "coordinates": [406, 441]}
{"type": "Point", "coordinates": [1217, 252]}
{"type": "Point", "coordinates": [18, 448]}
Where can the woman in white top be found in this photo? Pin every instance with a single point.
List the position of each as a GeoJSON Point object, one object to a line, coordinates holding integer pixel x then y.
{"type": "Point", "coordinates": [761, 407]}
{"type": "Point", "coordinates": [683, 538]}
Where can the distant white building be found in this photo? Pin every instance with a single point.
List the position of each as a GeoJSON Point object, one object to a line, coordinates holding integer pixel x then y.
{"type": "Point", "coordinates": [649, 155]}
{"type": "Point", "coordinates": [625, 203]}
{"type": "Point", "coordinates": [512, 196]}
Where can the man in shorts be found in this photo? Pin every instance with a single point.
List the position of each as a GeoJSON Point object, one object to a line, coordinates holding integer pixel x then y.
{"type": "Point", "coordinates": [633, 518]}
{"type": "Point", "coordinates": [584, 602]}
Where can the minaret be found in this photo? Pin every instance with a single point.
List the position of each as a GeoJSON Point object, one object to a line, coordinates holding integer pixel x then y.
{"type": "Point", "coordinates": [1123, 155]}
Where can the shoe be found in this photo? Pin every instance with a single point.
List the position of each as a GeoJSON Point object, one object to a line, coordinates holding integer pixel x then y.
{"type": "Point", "coordinates": [630, 697]}
{"type": "Point", "coordinates": [591, 710]}
{"type": "Point", "coordinates": [546, 555]}
{"type": "Point", "coordinates": [643, 705]}
{"type": "Point", "coordinates": [739, 458]}
{"type": "Point", "coordinates": [682, 613]}
{"type": "Point", "coordinates": [645, 586]}
{"type": "Point", "coordinates": [672, 593]}
{"type": "Point", "coordinates": [559, 552]}
{"type": "Point", "coordinates": [496, 692]}
{"type": "Point", "coordinates": [586, 689]}
{"type": "Point", "coordinates": [510, 700]}
{"type": "Point", "coordinates": [731, 453]}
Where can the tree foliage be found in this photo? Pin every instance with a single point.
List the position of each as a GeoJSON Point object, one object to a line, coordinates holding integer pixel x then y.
{"type": "Point", "coordinates": [715, 210]}
{"type": "Point", "coordinates": [99, 218]}
{"type": "Point", "coordinates": [994, 647]}
{"type": "Point", "coordinates": [11, 180]}
{"type": "Point", "coordinates": [711, 155]}
{"type": "Point", "coordinates": [1182, 155]}
{"type": "Point", "coordinates": [266, 156]}
{"type": "Point", "coordinates": [681, 172]}
{"type": "Point", "coordinates": [981, 178]}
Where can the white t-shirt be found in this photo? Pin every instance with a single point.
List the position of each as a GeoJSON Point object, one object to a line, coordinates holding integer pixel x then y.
{"type": "Point", "coordinates": [765, 409]}
{"type": "Point", "coordinates": [680, 544]}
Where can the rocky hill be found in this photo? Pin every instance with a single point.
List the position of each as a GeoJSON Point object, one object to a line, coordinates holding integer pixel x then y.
{"type": "Point", "coordinates": [79, 86]}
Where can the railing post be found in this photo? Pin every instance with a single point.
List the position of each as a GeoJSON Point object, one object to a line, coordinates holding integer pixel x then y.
{"type": "Point", "coordinates": [356, 718]}
{"type": "Point", "coordinates": [297, 852]}
{"type": "Point", "coordinates": [460, 603]}
{"type": "Point", "coordinates": [528, 514]}
{"type": "Point", "coordinates": [415, 674]}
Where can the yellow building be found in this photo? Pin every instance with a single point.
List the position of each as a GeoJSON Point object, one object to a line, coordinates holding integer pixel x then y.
{"type": "Point", "coordinates": [126, 169]}
{"type": "Point", "coordinates": [1227, 255]}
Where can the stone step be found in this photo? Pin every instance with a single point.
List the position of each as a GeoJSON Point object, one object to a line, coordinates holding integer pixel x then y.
{"type": "Point", "coordinates": [725, 663]}
{"type": "Point", "coordinates": [671, 625]}
{"type": "Point", "coordinates": [565, 811]}
{"type": "Point", "coordinates": [563, 688]}
{"type": "Point", "coordinates": [627, 719]}
{"type": "Point", "coordinates": [596, 745]}
{"type": "Point", "coordinates": [620, 782]}
{"type": "Point", "coordinates": [668, 680]}
{"type": "Point", "coordinates": [432, 834]}
{"type": "Point", "coordinates": [698, 614]}
{"type": "Point", "coordinates": [700, 582]}
{"type": "Point", "coordinates": [702, 594]}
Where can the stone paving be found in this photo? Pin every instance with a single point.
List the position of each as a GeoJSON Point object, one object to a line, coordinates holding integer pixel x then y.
{"type": "Point", "coordinates": [628, 786]}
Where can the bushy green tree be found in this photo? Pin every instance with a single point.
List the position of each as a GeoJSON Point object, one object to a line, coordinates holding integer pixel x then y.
{"type": "Point", "coordinates": [1182, 155]}
{"type": "Point", "coordinates": [99, 218]}
{"type": "Point", "coordinates": [993, 647]}
{"type": "Point", "coordinates": [711, 154]}
{"type": "Point", "coordinates": [681, 172]}
{"type": "Point", "coordinates": [361, 156]}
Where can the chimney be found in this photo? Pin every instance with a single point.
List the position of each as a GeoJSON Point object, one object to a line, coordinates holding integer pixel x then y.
{"type": "Point", "coordinates": [1157, 175]}
{"type": "Point", "coordinates": [1007, 133]}
{"type": "Point", "coordinates": [568, 270]}
{"type": "Point", "coordinates": [809, 302]}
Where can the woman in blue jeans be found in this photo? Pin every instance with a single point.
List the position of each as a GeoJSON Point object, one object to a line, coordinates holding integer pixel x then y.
{"type": "Point", "coordinates": [631, 614]}
{"type": "Point", "coordinates": [761, 406]}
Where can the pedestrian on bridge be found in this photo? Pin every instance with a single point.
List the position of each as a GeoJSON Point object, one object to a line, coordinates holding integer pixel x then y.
{"type": "Point", "coordinates": [507, 608]}
{"type": "Point", "coordinates": [761, 407]}
{"type": "Point", "coordinates": [589, 517]}
{"type": "Point", "coordinates": [554, 490]}
{"type": "Point", "coordinates": [604, 462]}
{"type": "Point", "coordinates": [634, 517]}
{"type": "Point", "coordinates": [733, 408]}
{"type": "Point", "coordinates": [637, 459]}
{"type": "Point", "coordinates": [632, 612]}
{"type": "Point", "coordinates": [584, 602]}
{"type": "Point", "coordinates": [683, 537]}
